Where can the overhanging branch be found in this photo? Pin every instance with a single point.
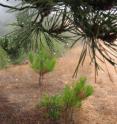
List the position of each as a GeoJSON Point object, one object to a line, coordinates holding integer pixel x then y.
{"type": "Point", "coordinates": [15, 8]}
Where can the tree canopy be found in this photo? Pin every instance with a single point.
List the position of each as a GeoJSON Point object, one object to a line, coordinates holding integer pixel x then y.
{"type": "Point", "coordinates": [92, 21]}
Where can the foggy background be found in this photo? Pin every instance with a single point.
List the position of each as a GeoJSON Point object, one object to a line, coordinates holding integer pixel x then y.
{"type": "Point", "coordinates": [6, 17]}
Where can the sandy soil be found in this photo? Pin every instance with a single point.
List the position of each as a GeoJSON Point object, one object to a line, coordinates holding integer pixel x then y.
{"type": "Point", "coordinates": [19, 92]}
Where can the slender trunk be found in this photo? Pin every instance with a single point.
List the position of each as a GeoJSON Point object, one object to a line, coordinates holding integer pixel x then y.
{"type": "Point", "coordinates": [69, 116]}
{"type": "Point", "coordinates": [66, 116]}
{"type": "Point", "coordinates": [40, 79]}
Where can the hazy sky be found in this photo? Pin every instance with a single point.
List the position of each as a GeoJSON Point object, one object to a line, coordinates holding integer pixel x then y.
{"type": "Point", "coordinates": [5, 17]}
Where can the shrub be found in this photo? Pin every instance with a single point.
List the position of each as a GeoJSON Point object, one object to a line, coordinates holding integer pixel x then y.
{"type": "Point", "coordinates": [42, 62]}
{"type": "Point", "coordinates": [4, 58]}
{"type": "Point", "coordinates": [13, 49]}
{"type": "Point", "coordinates": [10, 46]}
{"type": "Point", "coordinates": [63, 105]}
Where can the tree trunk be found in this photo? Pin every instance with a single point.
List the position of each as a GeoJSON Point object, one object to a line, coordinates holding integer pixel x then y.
{"type": "Point", "coordinates": [69, 116]}
{"type": "Point", "coordinates": [40, 79]}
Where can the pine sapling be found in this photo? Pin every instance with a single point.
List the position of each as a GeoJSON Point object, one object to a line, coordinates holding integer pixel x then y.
{"type": "Point", "coordinates": [63, 104]}
{"type": "Point", "coordinates": [42, 62]}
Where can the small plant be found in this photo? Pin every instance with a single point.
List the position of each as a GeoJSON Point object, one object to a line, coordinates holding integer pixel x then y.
{"type": "Point", "coordinates": [73, 96]}
{"type": "Point", "coordinates": [42, 62]}
{"type": "Point", "coordinates": [63, 105]}
{"type": "Point", "coordinates": [52, 105]}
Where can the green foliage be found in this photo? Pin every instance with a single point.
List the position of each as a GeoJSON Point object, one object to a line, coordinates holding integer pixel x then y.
{"type": "Point", "coordinates": [73, 96]}
{"type": "Point", "coordinates": [57, 47]}
{"type": "Point", "coordinates": [21, 58]}
{"type": "Point", "coordinates": [88, 20]}
{"type": "Point", "coordinates": [4, 59]}
{"type": "Point", "coordinates": [81, 90]}
{"type": "Point", "coordinates": [14, 50]}
{"type": "Point", "coordinates": [53, 106]}
{"type": "Point", "coordinates": [42, 61]}
{"type": "Point", "coordinates": [70, 98]}
{"type": "Point", "coordinates": [10, 46]}
{"type": "Point", "coordinates": [13, 43]}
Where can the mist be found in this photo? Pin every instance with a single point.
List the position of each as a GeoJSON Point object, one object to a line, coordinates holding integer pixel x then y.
{"type": "Point", "coordinates": [6, 18]}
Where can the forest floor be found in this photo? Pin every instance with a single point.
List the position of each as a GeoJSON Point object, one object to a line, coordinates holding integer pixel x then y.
{"type": "Point", "coordinates": [20, 93]}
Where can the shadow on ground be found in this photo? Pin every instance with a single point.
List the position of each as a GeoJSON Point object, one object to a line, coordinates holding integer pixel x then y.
{"type": "Point", "coordinates": [10, 113]}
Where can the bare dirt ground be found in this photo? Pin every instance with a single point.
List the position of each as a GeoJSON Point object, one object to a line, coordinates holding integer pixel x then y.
{"type": "Point", "coordinates": [19, 92]}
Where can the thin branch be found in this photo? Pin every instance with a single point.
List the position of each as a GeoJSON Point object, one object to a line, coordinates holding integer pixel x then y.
{"type": "Point", "coordinates": [15, 8]}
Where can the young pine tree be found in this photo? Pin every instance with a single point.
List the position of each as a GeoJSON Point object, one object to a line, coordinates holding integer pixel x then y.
{"type": "Point", "coordinates": [42, 62]}
{"type": "Point", "coordinates": [63, 104]}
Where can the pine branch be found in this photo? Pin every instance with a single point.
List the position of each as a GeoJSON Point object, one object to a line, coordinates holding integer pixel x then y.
{"type": "Point", "coordinates": [15, 8]}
